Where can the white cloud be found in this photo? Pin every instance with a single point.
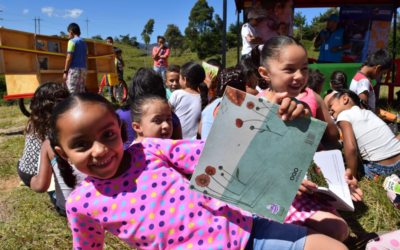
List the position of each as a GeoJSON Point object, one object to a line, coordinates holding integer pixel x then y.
{"type": "Point", "coordinates": [75, 13]}
{"type": "Point", "coordinates": [48, 11]}
{"type": "Point", "coordinates": [25, 11]}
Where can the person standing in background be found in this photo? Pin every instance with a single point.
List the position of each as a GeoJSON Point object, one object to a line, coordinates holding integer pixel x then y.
{"type": "Point", "coordinates": [332, 41]}
{"type": "Point", "coordinates": [160, 55]}
{"type": "Point", "coordinates": [250, 34]}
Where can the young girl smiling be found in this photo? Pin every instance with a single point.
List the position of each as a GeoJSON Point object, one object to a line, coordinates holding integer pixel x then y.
{"type": "Point", "coordinates": [141, 196]}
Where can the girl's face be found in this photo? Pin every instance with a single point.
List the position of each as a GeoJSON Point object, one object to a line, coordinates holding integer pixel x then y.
{"type": "Point", "coordinates": [336, 106]}
{"type": "Point", "coordinates": [156, 121]}
{"type": "Point", "coordinates": [90, 137]}
{"type": "Point", "coordinates": [288, 72]}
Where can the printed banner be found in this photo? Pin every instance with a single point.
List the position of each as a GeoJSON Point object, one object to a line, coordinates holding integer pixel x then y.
{"type": "Point", "coordinates": [274, 15]}
{"type": "Point", "coordinates": [368, 27]}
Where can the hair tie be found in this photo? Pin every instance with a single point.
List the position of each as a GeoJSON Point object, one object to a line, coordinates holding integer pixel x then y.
{"type": "Point", "coordinates": [261, 47]}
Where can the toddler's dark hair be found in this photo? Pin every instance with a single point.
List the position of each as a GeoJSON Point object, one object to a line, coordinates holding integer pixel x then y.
{"type": "Point", "coordinates": [69, 103]}
{"type": "Point", "coordinates": [74, 28]}
{"type": "Point", "coordinates": [215, 62]}
{"type": "Point", "coordinates": [146, 81]}
{"type": "Point", "coordinates": [137, 106]}
{"type": "Point", "coordinates": [315, 78]}
{"type": "Point", "coordinates": [273, 47]}
{"type": "Point", "coordinates": [195, 75]}
{"type": "Point", "coordinates": [110, 38]}
{"type": "Point", "coordinates": [46, 97]}
{"type": "Point", "coordinates": [338, 80]}
{"type": "Point", "coordinates": [174, 68]}
{"type": "Point", "coordinates": [378, 57]}
{"type": "Point", "coordinates": [353, 96]}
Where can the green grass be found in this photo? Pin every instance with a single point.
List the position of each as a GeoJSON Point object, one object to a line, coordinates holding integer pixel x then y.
{"type": "Point", "coordinates": [11, 149]}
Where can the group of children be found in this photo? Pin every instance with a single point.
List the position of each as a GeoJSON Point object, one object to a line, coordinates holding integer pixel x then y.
{"type": "Point", "coordinates": [127, 171]}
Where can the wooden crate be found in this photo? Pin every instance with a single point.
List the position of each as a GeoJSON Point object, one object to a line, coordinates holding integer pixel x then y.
{"type": "Point", "coordinates": [26, 71]}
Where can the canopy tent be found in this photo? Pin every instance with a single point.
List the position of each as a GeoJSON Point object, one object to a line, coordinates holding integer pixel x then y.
{"type": "Point", "coordinates": [305, 4]}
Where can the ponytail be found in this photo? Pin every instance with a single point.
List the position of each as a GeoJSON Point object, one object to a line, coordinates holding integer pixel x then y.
{"type": "Point", "coordinates": [66, 170]}
{"type": "Point", "coordinates": [204, 95]}
{"type": "Point", "coordinates": [195, 75]}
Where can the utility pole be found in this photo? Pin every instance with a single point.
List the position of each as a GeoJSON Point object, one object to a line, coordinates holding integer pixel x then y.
{"type": "Point", "coordinates": [35, 23]}
{"type": "Point", "coordinates": [39, 23]}
{"type": "Point", "coordinates": [87, 26]}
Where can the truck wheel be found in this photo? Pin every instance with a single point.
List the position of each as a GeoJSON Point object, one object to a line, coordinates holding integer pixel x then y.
{"type": "Point", "coordinates": [22, 107]}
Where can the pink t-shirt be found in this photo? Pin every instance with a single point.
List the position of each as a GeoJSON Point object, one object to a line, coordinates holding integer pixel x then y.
{"type": "Point", "coordinates": [159, 61]}
{"type": "Point", "coordinates": [309, 98]}
{"type": "Point", "coordinates": [152, 207]}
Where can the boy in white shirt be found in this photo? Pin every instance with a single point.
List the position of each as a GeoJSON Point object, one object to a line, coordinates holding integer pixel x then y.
{"type": "Point", "coordinates": [250, 34]}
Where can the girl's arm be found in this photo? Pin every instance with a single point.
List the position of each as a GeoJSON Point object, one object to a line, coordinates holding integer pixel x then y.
{"type": "Point", "coordinates": [41, 182]}
{"type": "Point", "coordinates": [182, 155]}
{"type": "Point", "coordinates": [350, 146]}
{"type": "Point", "coordinates": [331, 133]}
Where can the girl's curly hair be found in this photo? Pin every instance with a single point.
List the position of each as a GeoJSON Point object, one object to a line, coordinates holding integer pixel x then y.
{"type": "Point", "coordinates": [46, 97]}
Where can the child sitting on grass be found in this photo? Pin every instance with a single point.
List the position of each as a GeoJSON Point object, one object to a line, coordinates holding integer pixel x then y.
{"type": "Point", "coordinates": [374, 66]}
{"type": "Point", "coordinates": [338, 82]}
{"type": "Point", "coordinates": [366, 134]}
{"type": "Point", "coordinates": [316, 80]}
{"type": "Point", "coordinates": [142, 196]}
{"type": "Point", "coordinates": [172, 79]}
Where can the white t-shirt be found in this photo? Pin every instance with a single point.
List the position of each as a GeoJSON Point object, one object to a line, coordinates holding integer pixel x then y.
{"type": "Point", "coordinates": [360, 84]}
{"type": "Point", "coordinates": [248, 29]}
{"type": "Point", "coordinates": [62, 190]}
{"type": "Point", "coordinates": [375, 140]}
{"type": "Point", "coordinates": [188, 108]}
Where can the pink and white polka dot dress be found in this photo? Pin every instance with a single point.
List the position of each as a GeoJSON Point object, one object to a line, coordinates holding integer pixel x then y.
{"type": "Point", "coordinates": [151, 207]}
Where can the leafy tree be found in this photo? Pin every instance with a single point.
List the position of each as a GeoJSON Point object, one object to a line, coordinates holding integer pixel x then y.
{"type": "Point", "coordinates": [299, 21]}
{"type": "Point", "coordinates": [201, 16]}
{"type": "Point", "coordinates": [97, 37]}
{"type": "Point", "coordinates": [318, 23]}
{"type": "Point", "coordinates": [233, 27]}
{"type": "Point", "coordinates": [174, 37]}
{"type": "Point", "coordinates": [132, 41]}
{"type": "Point", "coordinates": [116, 39]}
{"type": "Point", "coordinates": [63, 34]}
{"type": "Point", "coordinates": [147, 31]}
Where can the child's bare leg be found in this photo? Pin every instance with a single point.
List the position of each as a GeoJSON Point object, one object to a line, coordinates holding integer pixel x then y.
{"type": "Point", "coordinates": [330, 224]}
{"type": "Point", "coordinates": [319, 241]}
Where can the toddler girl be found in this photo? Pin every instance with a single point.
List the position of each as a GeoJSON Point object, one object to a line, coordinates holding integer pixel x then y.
{"type": "Point", "coordinates": [45, 98]}
{"type": "Point", "coordinates": [366, 134]}
{"type": "Point", "coordinates": [337, 82]}
{"type": "Point", "coordinates": [151, 117]}
{"type": "Point", "coordinates": [144, 82]}
{"type": "Point", "coordinates": [141, 196]}
{"type": "Point", "coordinates": [284, 64]}
{"type": "Point", "coordinates": [189, 101]}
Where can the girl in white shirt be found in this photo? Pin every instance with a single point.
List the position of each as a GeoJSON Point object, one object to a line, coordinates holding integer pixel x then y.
{"type": "Point", "coordinates": [365, 134]}
{"type": "Point", "coordinates": [189, 101]}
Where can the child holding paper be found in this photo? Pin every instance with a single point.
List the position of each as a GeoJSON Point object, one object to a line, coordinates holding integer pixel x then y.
{"type": "Point", "coordinates": [141, 196]}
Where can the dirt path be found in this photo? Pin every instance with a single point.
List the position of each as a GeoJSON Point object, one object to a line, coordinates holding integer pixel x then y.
{"type": "Point", "coordinates": [10, 183]}
{"type": "Point", "coordinates": [13, 130]}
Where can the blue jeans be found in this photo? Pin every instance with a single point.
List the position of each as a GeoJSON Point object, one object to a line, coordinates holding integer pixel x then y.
{"type": "Point", "coordinates": [160, 70]}
{"type": "Point", "coordinates": [372, 168]}
{"type": "Point", "coordinates": [267, 234]}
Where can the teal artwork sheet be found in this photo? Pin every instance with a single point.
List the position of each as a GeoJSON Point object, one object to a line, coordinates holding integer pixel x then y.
{"type": "Point", "coordinates": [254, 160]}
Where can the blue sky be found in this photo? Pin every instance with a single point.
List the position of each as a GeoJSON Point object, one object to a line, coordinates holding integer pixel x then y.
{"type": "Point", "coordinates": [109, 18]}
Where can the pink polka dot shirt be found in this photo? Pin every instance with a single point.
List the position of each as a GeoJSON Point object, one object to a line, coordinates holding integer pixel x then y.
{"type": "Point", "coordinates": [151, 207]}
